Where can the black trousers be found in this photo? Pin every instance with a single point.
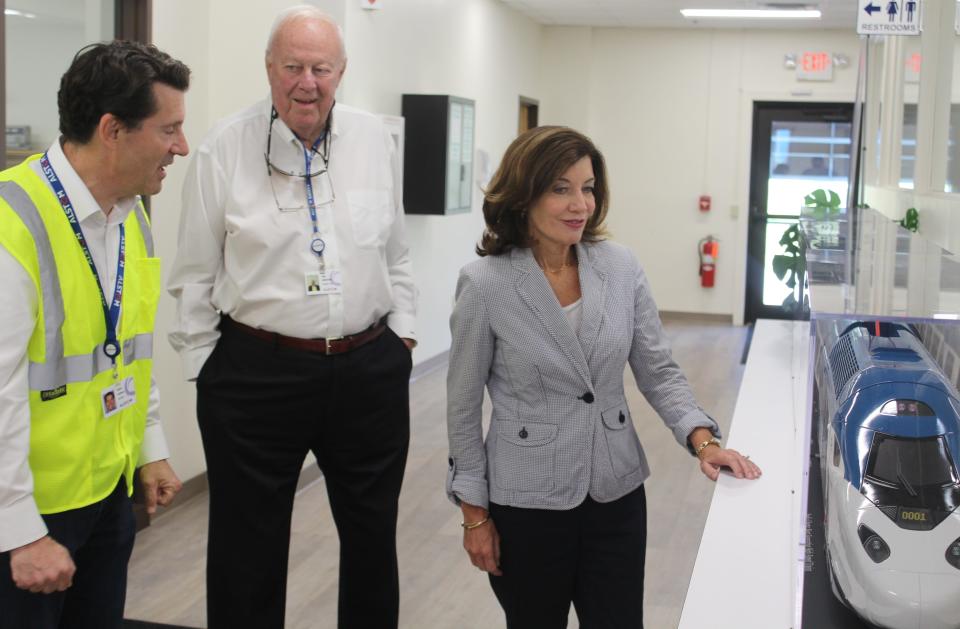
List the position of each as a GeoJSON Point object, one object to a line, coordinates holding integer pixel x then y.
{"type": "Point", "coordinates": [100, 540]}
{"type": "Point", "coordinates": [261, 409]}
{"type": "Point", "coordinates": [591, 555]}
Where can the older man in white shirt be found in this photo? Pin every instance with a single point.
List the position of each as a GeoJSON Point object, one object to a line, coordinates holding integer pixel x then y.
{"type": "Point", "coordinates": [296, 307]}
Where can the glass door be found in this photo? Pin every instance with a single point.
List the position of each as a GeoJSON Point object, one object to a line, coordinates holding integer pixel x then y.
{"type": "Point", "coordinates": [797, 148]}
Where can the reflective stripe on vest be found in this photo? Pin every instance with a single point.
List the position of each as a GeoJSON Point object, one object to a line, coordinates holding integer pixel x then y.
{"type": "Point", "coordinates": [53, 315]}
{"type": "Point", "coordinates": [77, 455]}
{"type": "Point", "coordinates": [58, 370]}
{"type": "Point", "coordinates": [144, 228]}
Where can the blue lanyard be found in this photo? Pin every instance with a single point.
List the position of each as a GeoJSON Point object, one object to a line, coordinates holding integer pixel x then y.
{"type": "Point", "coordinates": [316, 243]}
{"type": "Point", "coordinates": [111, 312]}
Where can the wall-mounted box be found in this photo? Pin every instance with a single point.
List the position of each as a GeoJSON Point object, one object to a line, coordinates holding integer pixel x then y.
{"type": "Point", "coordinates": [438, 154]}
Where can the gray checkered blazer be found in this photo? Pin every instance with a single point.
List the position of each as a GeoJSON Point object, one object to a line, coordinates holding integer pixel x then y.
{"type": "Point", "coordinates": [560, 427]}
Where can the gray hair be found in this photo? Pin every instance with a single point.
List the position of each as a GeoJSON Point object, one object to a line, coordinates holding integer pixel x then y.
{"type": "Point", "coordinates": [303, 12]}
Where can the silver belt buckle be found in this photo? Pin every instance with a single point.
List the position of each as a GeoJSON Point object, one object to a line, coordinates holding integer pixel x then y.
{"type": "Point", "coordinates": [329, 340]}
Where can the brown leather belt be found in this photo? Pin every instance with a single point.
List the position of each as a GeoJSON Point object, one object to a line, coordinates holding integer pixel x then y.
{"type": "Point", "coordinates": [330, 346]}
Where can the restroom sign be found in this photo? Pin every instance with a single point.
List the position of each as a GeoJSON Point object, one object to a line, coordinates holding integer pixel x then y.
{"type": "Point", "coordinates": [888, 17]}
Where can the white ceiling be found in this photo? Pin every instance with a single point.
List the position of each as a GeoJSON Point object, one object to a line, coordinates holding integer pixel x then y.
{"type": "Point", "coordinates": [836, 14]}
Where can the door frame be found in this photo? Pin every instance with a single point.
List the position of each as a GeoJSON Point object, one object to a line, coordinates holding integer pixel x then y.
{"type": "Point", "coordinates": [763, 112]}
{"type": "Point", "coordinates": [134, 20]}
{"type": "Point", "coordinates": [528, 114]}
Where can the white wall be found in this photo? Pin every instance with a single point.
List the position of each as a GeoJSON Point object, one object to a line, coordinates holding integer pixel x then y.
{"type": "Point", "coordinates": [476, 49]}
{"type": "Point", "coordinates": [671, 110]}
{"type": "Point", "coordinates": [182, 29]}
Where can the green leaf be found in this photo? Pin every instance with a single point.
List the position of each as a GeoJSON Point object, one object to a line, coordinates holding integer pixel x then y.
{"type": "Point", "coordinates": [782, 264]}
{"type": "Point", "coordinates": [823, 202]}
{"type": "Point", "coordinates": [789, 266]}
{"type": "Point", "coordinates": [834, 201]}
{"type": "Point", "coordinates": [791, 235]}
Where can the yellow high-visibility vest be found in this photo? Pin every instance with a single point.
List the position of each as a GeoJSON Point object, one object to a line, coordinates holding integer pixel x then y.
{"type": "Point", "coordinates": [77, 455]}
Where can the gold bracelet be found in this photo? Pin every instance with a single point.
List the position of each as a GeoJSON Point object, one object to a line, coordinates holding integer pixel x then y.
{"type": "Point", "coordinates": [712, 441]}
{"type": "Point", "coordinates": [473, 525]}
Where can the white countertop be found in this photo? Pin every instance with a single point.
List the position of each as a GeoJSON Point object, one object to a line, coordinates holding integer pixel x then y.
{"type": "Point", "coordinates": [750, 562]}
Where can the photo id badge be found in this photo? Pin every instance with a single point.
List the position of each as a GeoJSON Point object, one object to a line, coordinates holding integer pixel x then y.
{"type": "Point", "coordinates": [118, 396]}
{"type": "Point", "coordinates": [324, 282]}
{"type": "Point", "coordinates": [311, 283]}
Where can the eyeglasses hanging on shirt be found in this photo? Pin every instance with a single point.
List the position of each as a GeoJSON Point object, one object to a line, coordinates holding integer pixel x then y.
{"type": "Point", "coordinates": [315, 174]}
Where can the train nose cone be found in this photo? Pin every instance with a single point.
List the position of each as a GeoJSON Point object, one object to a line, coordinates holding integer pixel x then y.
{"type": "Point", "coordinates": [893, 601]}
{"type": "Point", "coordinates": [914, 601]}
{"type": "Point", "coordinates": [939, 601]}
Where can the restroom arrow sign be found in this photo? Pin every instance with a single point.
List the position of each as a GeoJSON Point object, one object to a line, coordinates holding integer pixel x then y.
{"type": "Point", "coordinates": [889, 17]}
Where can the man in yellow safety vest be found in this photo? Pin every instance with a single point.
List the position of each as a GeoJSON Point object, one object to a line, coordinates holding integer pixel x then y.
{"type": "Point", "coordinates": [79, 285]}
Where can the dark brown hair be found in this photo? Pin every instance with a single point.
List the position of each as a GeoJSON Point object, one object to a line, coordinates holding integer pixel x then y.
{"type": "Point", "coordinates": [114, 77]}
{"type": "Point", "coordinates": [533, 162]}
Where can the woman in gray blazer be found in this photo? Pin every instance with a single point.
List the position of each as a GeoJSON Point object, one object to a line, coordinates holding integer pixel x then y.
{"type": "Point", "coordinates": [547, 319]}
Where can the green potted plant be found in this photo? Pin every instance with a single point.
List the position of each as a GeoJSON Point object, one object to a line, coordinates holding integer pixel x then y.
{"type": "Point", "coordinates": [911, 221]}
{"type": "Point", "coordinates": [790, 266]}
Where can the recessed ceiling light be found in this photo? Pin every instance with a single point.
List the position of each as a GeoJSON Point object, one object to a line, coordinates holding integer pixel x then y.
{"type": "Point", "coordinates": [777, 14]}
{"type": "Point", "coordinates": [16, 13]}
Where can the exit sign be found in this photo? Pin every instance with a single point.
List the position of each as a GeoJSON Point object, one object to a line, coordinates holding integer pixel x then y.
{"type": "Point", "coordinates": [815, 66]}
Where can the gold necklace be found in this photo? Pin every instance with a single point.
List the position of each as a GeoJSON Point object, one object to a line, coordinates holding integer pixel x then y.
{"type": "Point", "coordinates": [566, 265]}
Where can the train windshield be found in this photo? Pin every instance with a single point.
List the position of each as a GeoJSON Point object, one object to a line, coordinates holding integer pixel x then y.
{"type": "Point", "coordinates": [910, 463]}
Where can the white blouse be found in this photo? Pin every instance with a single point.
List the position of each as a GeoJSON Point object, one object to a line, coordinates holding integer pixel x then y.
{"type": "Point", "coordinates": [574, 314]}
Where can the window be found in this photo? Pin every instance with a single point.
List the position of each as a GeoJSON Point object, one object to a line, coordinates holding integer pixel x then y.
{"type": "Point", "coordinates": [49, 34]}
{"type": "Point", "coordinates": [909, 463]}
{"type": "Point", "coordinates": [805, 156]}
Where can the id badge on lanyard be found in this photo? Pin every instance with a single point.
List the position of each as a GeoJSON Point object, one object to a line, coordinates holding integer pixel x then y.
{"type": "Point", "coordinates": [120, 394]}
{"type": "Point", "coordinates": [323, 281]}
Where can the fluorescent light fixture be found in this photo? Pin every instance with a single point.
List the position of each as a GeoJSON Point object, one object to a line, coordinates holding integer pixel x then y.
{"type": "Point", "coordinates": [776, 14]}
{"type": "Point", "coordinates": [16, 13]}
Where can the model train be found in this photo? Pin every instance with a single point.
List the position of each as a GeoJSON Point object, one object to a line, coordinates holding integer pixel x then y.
{"type": "Point", "coordinates": [889, 437]}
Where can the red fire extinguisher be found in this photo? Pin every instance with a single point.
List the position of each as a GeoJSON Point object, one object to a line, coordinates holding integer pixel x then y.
{"type": "Point", "coordinates": [708, 248]}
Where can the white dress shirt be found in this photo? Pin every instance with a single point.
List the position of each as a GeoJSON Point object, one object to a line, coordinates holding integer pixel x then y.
{"type": "Point", "coordinates": [241, 255]}
{"type": "Point", "coordinates": [20, 522]}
